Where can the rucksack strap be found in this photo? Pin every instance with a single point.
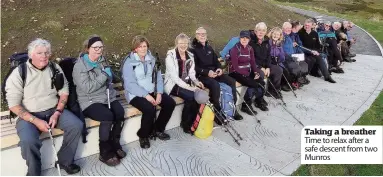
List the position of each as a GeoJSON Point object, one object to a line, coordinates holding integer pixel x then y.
{"type": "Point", "coordinates": [54, 71]}
{"type": "Point", "coordinates": [23, 72]}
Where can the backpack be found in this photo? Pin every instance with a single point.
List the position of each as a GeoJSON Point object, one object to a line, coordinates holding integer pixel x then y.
{"type": "Point", "coordinates": [227, 100]}
{"type": "Point", "coordinates": [204, 122]}
{"type": "Point", "coordinates": [18, 61]}
{"type": "Point", "coordinates": [226, 50]}
{"type": "Point", "coordinates": [67, 65]}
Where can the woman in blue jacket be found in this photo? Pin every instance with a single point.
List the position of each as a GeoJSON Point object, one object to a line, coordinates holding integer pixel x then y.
{"type": "Point", "coordinates": [140, 91]}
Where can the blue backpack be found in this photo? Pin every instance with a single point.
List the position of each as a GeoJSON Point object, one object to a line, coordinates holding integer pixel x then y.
{"type": "Point", "coordinates": [226, 50]}
{"type": "Point", "coordinates": [227, 100]}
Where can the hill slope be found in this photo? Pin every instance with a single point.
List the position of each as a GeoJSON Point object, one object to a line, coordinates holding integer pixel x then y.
{"type": "Point", "coordinates": [68, 23]}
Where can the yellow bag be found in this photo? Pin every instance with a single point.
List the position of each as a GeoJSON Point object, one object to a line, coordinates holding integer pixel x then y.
{"type": "Point", "coordinates": [203, 125]}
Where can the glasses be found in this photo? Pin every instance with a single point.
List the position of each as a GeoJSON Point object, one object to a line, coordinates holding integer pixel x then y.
{"type": "Point", "coordinates": [96, 48]}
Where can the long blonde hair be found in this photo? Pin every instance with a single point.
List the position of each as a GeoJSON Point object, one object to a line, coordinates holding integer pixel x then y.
{"type": "Point", "coordinates": [279, 30]}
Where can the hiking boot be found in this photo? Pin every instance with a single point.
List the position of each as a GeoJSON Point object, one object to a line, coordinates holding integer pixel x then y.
{"type": "Point", "coordinates": [329, 79]}
{"type": "Point", "coordinates": [107, 155]}
{"type": "Point", "coordinates": [115, 137]}
{"type": "Point", "coordinates": [307, 80]}
{"type": "Point", "coordinates": [352, 55]}
{"type": "Point", "coordinates": [259, 104]}
{"type": "Point", "coordinates": [286, 88]}
{"type": "Point", "coordinates": [219, 121]}
{"type": "Point", "coordinates": [237, 116]}
{"type": "Point", "coordinates": [118, 149]}
{"type": "Point", "coordinates": [71, 169]}
{"type": "Point", "coordinates": [301, 81]}
{"type": "Point", "coordinates": [144, 143]}
{"type": "Point", "coordinates": [246, 110]}
{"type": "Point", "coordinates": [162, 136]}
{"type": "Point", "coordinates": [338, 70]}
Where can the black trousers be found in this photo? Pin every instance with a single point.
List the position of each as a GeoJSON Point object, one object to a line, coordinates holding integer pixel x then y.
{"type": "Point", "coordinates": [215, 90]}
{"type": "Point", "coordinates": [107, 118]}
{"type": "Point", "coordinates": [333, 52]}
{"type": "Point", "coordinates": [251, 83]}
{"type": "Point", "coordinates": [190, 110]}
{"type": "Point", "coordinates": [149, 114]}
{"type": "Point", "coordinates": [316, 62]}
{"type": "Point", "coordinates": [276, 75]}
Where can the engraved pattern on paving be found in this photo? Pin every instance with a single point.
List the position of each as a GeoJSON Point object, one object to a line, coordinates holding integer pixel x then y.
{"type": "Point", "coordinates": [266, 149]}
{"type": "Point", "coordinates": [182, 155]}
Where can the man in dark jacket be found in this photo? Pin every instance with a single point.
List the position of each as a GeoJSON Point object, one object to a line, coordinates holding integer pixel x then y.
{"type": "Point", "coordinates": [310, 40]}
{"type": "Point", "coordinates": [262, 52]}
{"type": "Point", "coordinates": [209, 72]}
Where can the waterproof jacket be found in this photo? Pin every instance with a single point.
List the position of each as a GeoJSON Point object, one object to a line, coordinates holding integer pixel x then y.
{"type": "Point", "coordinates": [277, 54]}
{"type": "Point", "coordinates": [92, 82]}
{"type": "Point", "coordinates": [205, 58]}
{"type": "Point", "coordinates": [138, 76]}
{"type": "Point", "coordinates": [310, 40]}
{"type": "Point", "coordinates": [242, 59]}
{"type": "Point", "coordinates": [172, 74]}
{"type": "Point", "coordinates": [261, 51]}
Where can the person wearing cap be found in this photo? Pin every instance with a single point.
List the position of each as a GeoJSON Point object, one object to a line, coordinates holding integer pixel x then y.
{"type": "Point", "coordinates": [329, 43]}
{"type": "Point", "coordinates": [93, 78]}
{"type": "Point", "coordinates": [145, 92]}
{"type": "Point", "coordinates": [262, 52]}
{"type": "Point", "coordinates": [310, 40]}
{"type": "Point", "coordinates": [181, 81]}
{"type": "Point", "coordinates": [209, 72]}
{"type": "Point", "coordinates": [244, 70]}
{"type": "Point", "coordinates": [40, 107]}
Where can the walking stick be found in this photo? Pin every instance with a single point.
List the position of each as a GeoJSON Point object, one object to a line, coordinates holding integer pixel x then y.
{"type": "Point", "coordinates": [54, 150]}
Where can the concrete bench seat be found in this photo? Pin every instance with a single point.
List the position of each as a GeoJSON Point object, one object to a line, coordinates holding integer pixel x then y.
{"type": "Point", "coordinates": [9, 138]}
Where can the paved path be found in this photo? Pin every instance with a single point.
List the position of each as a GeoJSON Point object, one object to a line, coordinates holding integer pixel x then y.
{"type": "Point", "coordinates": [272, 148]}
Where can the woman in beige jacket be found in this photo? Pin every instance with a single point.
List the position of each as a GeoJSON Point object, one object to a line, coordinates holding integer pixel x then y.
{"type": "Point", "coordinates": [180, 79]}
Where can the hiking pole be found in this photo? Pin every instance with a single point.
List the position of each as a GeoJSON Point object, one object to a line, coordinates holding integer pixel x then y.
{"type": "Point", "coordinates": [54, 150]}
{"type": "Point", "coordinates": [154, 80]}
{"type": "Point", "coordinates": [283, 106]}
{"type": "Point", "coordinates": [107, 92]}
{"type": "Point", "coordinates": [248, 106]}
{"type": "Point", "coordinates": [289, 85]}
{"type": "Point", "coordinates": [223, 122]}
{"type": "Point", "coordinates": [272, 85]}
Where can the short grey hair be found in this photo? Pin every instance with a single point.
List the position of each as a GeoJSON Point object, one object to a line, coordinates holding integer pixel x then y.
{"type": "Point", "coordinates": [286, 24]}
{"type": "Point", "coordinates": [260, 26]}
{"type": "Point", "coordinates": [200, 28]}
{"type": "Point", "coordinates": [38, 42]}
{"type": "Point", "coordinates": [182, 36]}
{"type": "Point", "coordinates": [309, 21]}
{"type": "Point", "coordinates": [327, 23]}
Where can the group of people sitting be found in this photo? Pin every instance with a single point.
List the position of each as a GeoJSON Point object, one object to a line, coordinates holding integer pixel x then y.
{"type": "Point", "coordinates": [192, 65]}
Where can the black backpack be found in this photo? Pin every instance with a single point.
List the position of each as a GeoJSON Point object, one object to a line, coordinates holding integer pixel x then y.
{"type": "Point", "coordinates": [67, 65]}
{"type": "Point", "coordinates": [18, 61]}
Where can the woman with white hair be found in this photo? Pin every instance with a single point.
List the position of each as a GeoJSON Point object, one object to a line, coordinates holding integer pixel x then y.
{"type": "Point", "coordinates": [40, 103]}
{"type": "Point", "coordinates": [260, 44]}
{"type": "Point", "coordinates": [180, 79]}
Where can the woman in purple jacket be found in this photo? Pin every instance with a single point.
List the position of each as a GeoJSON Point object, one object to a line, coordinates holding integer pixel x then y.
{"type": "Point", "coordinates": [278, 56]}
{"type": "Point", "coordinates": [245, 71]}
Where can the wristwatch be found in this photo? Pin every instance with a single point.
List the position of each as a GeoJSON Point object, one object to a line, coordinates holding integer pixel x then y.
{"type": "Point", "coordinates": [60, 111]}
{"type": "Point", "coordinates": [31, 119]}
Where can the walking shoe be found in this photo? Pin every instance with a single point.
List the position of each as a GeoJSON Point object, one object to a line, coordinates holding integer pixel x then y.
{"type": "Point", "coordinates": [107, 155]}
{"type": "Point", "coordinates": [162, 136]}
{"type": "Point", "coordinates": [237, 116]}
{"type": "Point", "coordinates": [286, 88]}
{"type": "Point", "coordinates": [144, 143]}
{"type": "Point", "coordinates": [71, 169]}
{"type": "Point", "coordinates": [329, 79]}
{"type": "Point", "coordinates": [260, 105]}
{"type": "Point", "coordinates": [117, 148]}
{"type": "Point", "coordinates": [246, 109]}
